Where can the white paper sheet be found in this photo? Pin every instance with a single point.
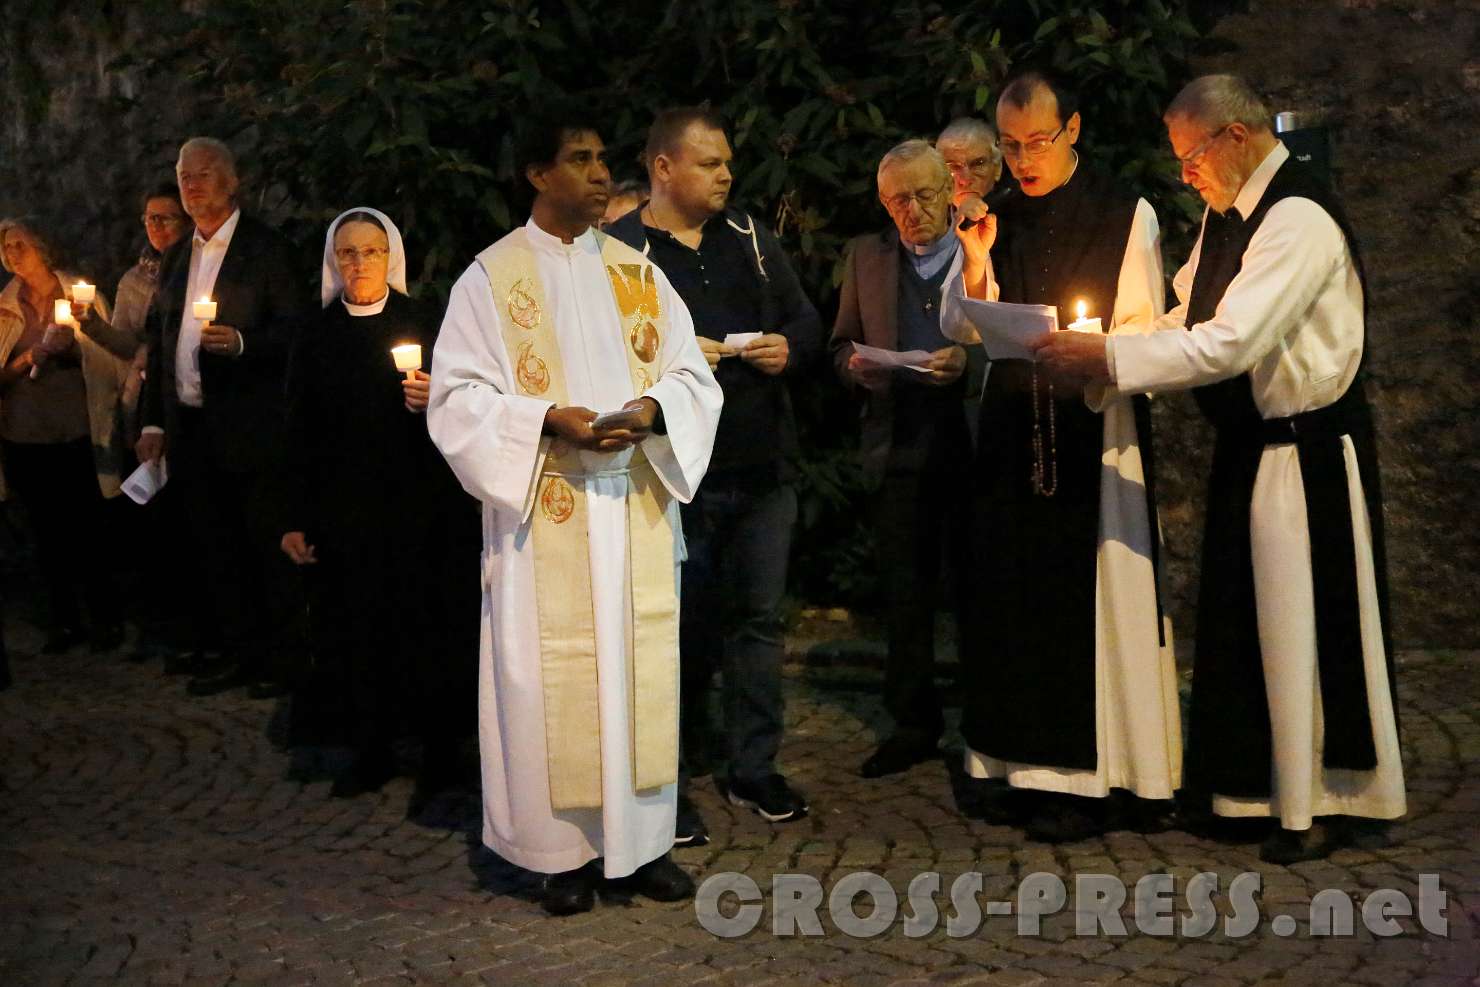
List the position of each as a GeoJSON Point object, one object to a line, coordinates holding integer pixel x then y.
{"type": "Point", "coordinates": [1006, 328]}
{"type": "Point", "coordinates": [621, 418]}
{"type": "Point", "coordinates": [146, 481]}
{"type": "Point", "coordinates": [873, 356]}
{"type": "Point", "coordinates": [739, 340]}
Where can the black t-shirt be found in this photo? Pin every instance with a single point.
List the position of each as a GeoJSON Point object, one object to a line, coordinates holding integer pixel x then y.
{"type": "Point", "coordinates": [719, 284]}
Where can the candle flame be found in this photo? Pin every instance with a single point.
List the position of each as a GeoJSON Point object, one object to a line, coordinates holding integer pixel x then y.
{"type": "Point", "coordinates": [205, 299]}
{"type": "Point", "coordinates": [1081, 308]}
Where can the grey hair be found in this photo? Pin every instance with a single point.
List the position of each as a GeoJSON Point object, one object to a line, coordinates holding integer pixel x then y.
{"type": "Point", "coordinates": [1219, 100]}
{"type": "Point", "coordinates": [972, 129]}
{"type": "Point", "coordinates": [218, 149]}
{"type": "Point", "coordinates": [912, 150]}
{"type": "Point", "coordinates": [40, 238]}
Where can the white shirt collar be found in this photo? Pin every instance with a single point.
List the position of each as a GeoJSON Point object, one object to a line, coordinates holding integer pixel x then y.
{"type": "Point", "coordinates": [1258, 181]}
{"type": "Point", "coordinates": [222, 237]}
{"type": "Point", "coordinates": [541, 240]}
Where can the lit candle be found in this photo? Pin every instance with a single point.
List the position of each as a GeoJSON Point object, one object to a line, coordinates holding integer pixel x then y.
{"type": "Point", "coordinates": [407, 357]}
{"type": "Point", "coordinates": [1082, 324]}
{"type": "Point", "coordinates": [83, 293]}
{"type": "Point", "coordinates": [204, 310]}
{"type": "Point", "coordinates": [62, 312]}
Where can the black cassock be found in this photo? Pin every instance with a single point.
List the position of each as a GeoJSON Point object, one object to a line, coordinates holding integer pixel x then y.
{"type": "Point", "coordinates": [394, 596]}
{"type": "Point", "coordinates": [1029, 697]}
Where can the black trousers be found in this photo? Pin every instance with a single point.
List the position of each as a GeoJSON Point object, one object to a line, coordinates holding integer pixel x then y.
{"type": "Point", "coordinates": [250, 594]}
{"type": "Point", "coordinates": [922, 524]}
{"type": "Point", "coordinates": [738, 535]}
{"type": "Point", "coordinates": [57, 483]}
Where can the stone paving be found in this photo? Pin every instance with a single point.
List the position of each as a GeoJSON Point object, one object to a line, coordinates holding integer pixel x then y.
{"type": "Point", "coordinates": [146, 837]}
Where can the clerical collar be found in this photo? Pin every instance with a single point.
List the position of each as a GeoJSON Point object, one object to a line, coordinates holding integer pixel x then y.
{"type": "Point", "coordinates": [374, 308]}
{"type": "Point", "coordinates": [946, 241]}
{"type": "Point", "coordinates": [538, 237]}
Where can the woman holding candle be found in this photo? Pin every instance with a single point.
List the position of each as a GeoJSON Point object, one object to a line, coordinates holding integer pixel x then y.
{"type": "Point", "coordinates": [388, 538]}
{"type": "Point", "coordinates": [58, 431]}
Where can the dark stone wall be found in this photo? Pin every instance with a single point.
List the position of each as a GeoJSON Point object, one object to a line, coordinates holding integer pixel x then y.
{"type": "Point", "coordinates": [1399, 82]}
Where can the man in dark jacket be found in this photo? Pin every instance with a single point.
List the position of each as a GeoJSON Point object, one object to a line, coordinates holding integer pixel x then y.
{"type": "Point", "coordinates": [213, 396]}
{"type": "Point", "coordinates": [756, 328]}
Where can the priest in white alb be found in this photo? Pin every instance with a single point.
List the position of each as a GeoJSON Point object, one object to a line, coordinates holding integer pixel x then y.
{"type": "Point", "coordinates": [1292, 689]}
{"type": "Point", "coordinates": [552, 326]}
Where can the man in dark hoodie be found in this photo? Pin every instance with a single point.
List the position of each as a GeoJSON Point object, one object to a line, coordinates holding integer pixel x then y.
{"type": "Point", "coordinates": [757, 328]}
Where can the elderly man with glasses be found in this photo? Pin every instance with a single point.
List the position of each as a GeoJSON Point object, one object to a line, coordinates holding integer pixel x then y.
{"type": "Point", "coordinates": [915, 441]}
{"type": "Point", "coordinates": [1064, 706]}
{"type": "Point", "coordinates": [1292, 704]}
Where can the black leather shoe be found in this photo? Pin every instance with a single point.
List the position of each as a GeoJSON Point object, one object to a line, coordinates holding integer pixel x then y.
{"type": "Point", "coordinates": [689, 829]}
{"type": "Point", "coordinates": [368, 773]}
{"type": "Point", "coordinates": [209, 683]}
{"type": "Point", "coordinates": [61, 640]}
{"type": "Point", "coordinates": [1064, 824]}
{"type": "Point", "coordinates": [770, 798]}
{"type": "Point", "coordinates": [1289, 846]}
{"type": "Point", "coordinates": [660, 880]}
{"type": "Point", "coordinates": [569, 893]}
{"type": "Point", "coordinates": [898, 753]}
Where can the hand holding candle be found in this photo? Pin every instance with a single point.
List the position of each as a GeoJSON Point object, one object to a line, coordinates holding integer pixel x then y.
{"type": "Point", "coordinates": [407, 357]}
{"type": "Point", "coordinates": [204, 310]}
{"type": "Point", "coordinates": [82, 299]}
{"type": "Point", "coordinates": [51, 339]}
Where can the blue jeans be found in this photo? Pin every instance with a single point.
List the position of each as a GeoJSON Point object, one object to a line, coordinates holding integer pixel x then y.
{"type": "Point", "coordinates": [739, 536]}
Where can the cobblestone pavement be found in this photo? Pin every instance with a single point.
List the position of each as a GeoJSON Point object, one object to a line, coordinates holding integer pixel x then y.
{"type": "Point", "coordinates": [151, 838]}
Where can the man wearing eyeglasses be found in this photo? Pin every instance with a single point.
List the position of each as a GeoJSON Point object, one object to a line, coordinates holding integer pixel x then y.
{"type": "Point", "coordinates": [1292, 707]}
{"type": "Point", "coordinates": [213, 397]}
{"type": "Point", "coordinates": [1061, 708]}
{"type": "Point", "coordinates": [915, 442]}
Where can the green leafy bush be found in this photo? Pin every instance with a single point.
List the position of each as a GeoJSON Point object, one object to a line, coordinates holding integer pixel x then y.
{"type": "Point", "coordinates": [411, 105]}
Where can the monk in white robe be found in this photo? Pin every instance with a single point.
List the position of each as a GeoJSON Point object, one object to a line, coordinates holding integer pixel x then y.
{"type": "Point", "coordinates": [1292, 711]}
{"type": "Point", "coordinates": [524, 456]}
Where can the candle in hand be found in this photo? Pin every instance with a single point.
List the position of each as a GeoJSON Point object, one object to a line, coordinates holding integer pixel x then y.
{"type": "Point", "coordinates": [204, 310]}
{"type": "Point", "coordinates": [407, 357]}
{"type": "Point", "coordinates": [83, 293]}
{"type": "Point", "coordinates": [62, 312]}
{"type": "Point", "coordinates": [1081, 324]}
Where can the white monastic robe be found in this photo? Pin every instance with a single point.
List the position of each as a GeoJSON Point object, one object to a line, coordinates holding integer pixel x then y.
{"type": "Point", "coordinates": [490, 434]}
{"type": "Point", "coordinates": [1293, 320]}
{"type": "Point", "coordinates": [1137, 713]}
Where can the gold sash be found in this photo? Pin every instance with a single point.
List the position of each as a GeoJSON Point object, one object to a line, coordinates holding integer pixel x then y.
{"type": "Point", "coordinates": [560, 533]}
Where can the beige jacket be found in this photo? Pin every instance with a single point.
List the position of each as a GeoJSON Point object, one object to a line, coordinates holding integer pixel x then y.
{"type": "Point", "coordinates": [103, 373]}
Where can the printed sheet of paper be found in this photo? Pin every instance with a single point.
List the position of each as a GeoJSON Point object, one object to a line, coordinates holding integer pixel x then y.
{"type": "Point", "coordinates": [873, 356]}
{"type": "Point", "coordinates": [1007, 328]}
{"type": "Point", "coordinates": [146, 481]}
{"type": "Point", "coordinates": [739, 340]}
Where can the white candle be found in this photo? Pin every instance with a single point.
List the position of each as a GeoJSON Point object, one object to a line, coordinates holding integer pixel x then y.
{"type": "Point", "coordinates": [62, 312]}
{"type": "Point", "coordinates": [407, 357]}
{"type": "Point", "coordinates": [83, 293]}
{"type": "Point", "coordinates": [204, 310]}
{"type": "Point", "coordinates": [1082, 324]}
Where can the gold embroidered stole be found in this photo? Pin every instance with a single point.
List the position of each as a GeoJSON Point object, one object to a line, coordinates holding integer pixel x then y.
{"type": "Point", "coordinates": [560, 538]}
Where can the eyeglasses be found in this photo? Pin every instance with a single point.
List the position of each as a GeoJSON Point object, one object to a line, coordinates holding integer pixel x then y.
{"type": "Point", "coordinates": [979, 166]}
{"type": "Point", "coordinates": [161, 219]}
{"type": "Point", "coordinates": [926, 197]}
{"type": "Point", "coordinates": [1033, 149]}
{"type": "Point", "coordinates": [349, 255]}
{"type": "Point", "coordinates": [1190, 159]}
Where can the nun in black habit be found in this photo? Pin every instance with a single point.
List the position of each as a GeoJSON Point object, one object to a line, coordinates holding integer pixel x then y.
{"type": "Point", "coordinates": [387, 537]}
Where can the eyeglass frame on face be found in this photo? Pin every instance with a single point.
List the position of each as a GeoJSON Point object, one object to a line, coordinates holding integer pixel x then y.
{"type": "Point", "coordinates": [162, 219]}
{"type": "Point", "coordinates": [1032, 149]}
{"type": "Point", "coordinates": [977, 166]}
{"type": "Point", "coordinates": [926, 198]}
{"type": "Point", "coordinates": [1191, 159]}
{"type": "Point", "coordinates": [350, 255]}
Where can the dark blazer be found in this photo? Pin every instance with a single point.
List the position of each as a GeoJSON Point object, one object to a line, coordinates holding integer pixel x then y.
{"type": "Point", "coordinates": [868, 313]}
{"type": "Point", "coordinates": [257, 294]}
